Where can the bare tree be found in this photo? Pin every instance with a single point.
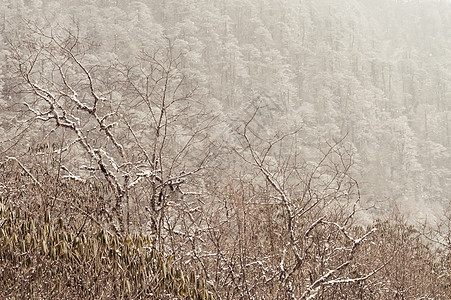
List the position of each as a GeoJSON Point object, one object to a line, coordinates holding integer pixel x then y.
{"type": "Point", "coordinates": [280, 226]}
{"type": "Point", "coordinates": [126, 125]}
{"type": "Point", "coordinates": [135, 136]}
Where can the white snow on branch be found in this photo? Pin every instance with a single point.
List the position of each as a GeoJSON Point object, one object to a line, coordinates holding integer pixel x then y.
{"type": "Point", "coordinates": [145, 173]}
{"type": "Point", "coordinates": [110, 159]}
{"type": "Point", "coordinates": [72, 176]}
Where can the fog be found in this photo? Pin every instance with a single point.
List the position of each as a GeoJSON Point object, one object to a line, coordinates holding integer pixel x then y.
{"type": "Point", "coordinates": [216, 125]}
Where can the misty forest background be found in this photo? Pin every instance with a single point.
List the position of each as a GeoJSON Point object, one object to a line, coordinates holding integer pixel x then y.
{"type": "Point", "coordinates": [345, 105]}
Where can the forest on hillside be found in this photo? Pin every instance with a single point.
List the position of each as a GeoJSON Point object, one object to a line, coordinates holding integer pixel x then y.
{"type": "Point", "coordinates": [253, 149]}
